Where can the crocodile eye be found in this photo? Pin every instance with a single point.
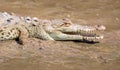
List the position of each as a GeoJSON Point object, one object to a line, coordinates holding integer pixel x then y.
{"type": "Point", "coordinates": [65, 24]}
{"type": "Point", "coordinates": [36, 20]}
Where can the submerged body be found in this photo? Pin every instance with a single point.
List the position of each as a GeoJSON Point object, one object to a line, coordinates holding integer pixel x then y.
{"type": "Point", "coordinates": [56, 29]}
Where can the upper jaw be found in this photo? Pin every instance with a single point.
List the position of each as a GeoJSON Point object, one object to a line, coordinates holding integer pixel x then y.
{"type": "Point", "coordinates": [78, 29]}
{"type": "Point", "coordinates": [88, 33]}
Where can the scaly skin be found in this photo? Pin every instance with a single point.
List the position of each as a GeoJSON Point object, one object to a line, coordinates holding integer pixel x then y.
{"type": "Point", "coordinates": [64, 29]}
{"type": "Point", "coordinates": [57, 29]}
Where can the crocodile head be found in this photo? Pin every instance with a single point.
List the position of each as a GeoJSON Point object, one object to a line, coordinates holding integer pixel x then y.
{"type": "Point", "coordinates": [65, 30]}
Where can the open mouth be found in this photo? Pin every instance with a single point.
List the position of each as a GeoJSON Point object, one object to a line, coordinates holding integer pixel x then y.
{"type": "Point", "coordinates": [89, 37]}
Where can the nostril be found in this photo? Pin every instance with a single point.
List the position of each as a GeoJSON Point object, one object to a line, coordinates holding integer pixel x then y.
{"type": "Point", "coordinates": [67, 24]}
{"type": "Point", "coordinates": [100, 27]}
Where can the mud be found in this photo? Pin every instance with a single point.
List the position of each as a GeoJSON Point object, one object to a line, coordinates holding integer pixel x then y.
{"type": "Point", "coordinates": [65, 55]}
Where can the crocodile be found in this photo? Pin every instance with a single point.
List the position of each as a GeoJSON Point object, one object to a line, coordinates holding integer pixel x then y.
{"type": "Point", "coordinates": [55, 30]}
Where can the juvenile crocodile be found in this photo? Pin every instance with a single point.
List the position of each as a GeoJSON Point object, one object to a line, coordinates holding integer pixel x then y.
{"type": "Point", "coordinates": [56, 29]}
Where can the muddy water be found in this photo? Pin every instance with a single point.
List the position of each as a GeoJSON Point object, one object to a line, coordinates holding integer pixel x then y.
{"type": "Point", "coordinates": [37, 55]}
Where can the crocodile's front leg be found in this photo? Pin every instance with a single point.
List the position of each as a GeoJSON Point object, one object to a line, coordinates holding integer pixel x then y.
{"type": "Point", "coordinates": [39, 32]}
{"type": "Point", "coordinates": [42, 34]}
{"type": "Point", "coordinates": [23, 34]}
{"type": "Point", "coordinates": [14, 32]}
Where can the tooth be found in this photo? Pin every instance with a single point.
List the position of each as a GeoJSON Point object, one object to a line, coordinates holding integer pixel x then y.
{"type": "Point", "coordinates": [77, 31]}
{"type": "Point", "coordinates": [90, 32]}
{"type": "Point", "coordinates": [97, 38]}
{"type": "Point", "coordinates": [94, 39]}
{"type": "Point", "coordinates": [88, 38]}
{"type": "Point", "coordinates": [81, 31]}
{"type": "Point", "coordinates": [101, 37]}
{"type": "Point", "coordinates": [81, 36]}
{"type": "Point", "coordinates": [85, 38]}
{"type": "Point", "coordinates": [85, 31]}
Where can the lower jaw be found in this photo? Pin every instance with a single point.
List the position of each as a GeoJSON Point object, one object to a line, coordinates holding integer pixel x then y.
{"type": "Point", "coordinates": [82, 34]}
{"type": "Point", "coordinates": [93, 39]}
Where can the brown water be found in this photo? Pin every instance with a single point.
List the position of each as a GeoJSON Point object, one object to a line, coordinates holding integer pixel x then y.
{"type": "Point", "coordinates": [37, 55]}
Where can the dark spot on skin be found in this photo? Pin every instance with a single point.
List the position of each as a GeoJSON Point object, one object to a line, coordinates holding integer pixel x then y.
{"type": "Point", "coordinates": [4, 38]}
{"type": "Point", "coordinates": [1, 30]}
{"type": "Point", "coordinates": [8, 33]}
{"type": "Point", "coordinates": [1, 37]}
{"type": "Point", "coordinates": [4, 27]}
{"type": "Point", "coordinates": [40, 48]}
{"type": "Point", "coordinates": [2, 33]}
{"type": "Point", "coordinates": [16, 28]}
{"type": "Point", "coordinates": [16, 22]}
{"type": "Point", "coordinates": [14, 34]}
{"type": "Point", "coordinates": [33, 25]}
{"type": "Point", "coordinates": [8, 20]}
{"type": "Point", "coordinates": [11, 30]}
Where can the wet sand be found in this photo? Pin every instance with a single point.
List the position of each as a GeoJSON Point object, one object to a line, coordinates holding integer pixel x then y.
{"type": "Point", "coordinates": [65, 55]}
